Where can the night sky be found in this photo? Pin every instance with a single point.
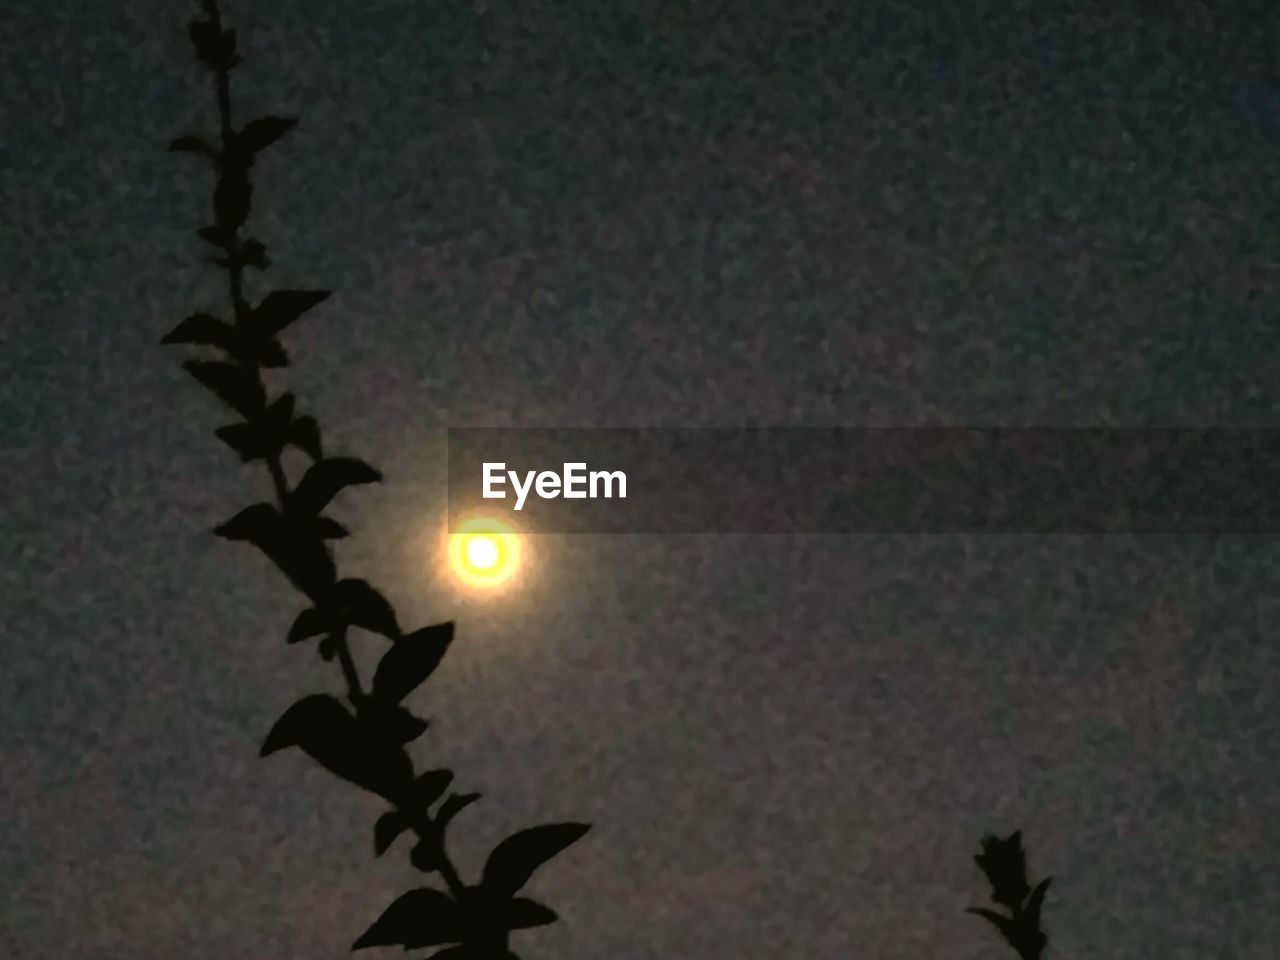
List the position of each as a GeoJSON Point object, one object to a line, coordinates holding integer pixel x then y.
{"type": "Point", "coordinates": [597, 214]}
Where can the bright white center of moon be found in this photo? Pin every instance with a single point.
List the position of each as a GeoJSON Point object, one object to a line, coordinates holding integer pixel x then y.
{"type": "Point", "coordinates": [483, 552]}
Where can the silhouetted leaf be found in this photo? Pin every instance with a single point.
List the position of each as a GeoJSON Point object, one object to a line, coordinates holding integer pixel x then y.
{"type": "Point", "coordinates": [429, 786]}
{"type": "Point", "coordinates": [405, 727]}
{"type": "Point", "coordinates": [304, 433]}
{"type": "Point", "coordinates": [215, 46]}
{"type": "Point", "coordinates": [419, 918]}
{"type": "Point", "coordinates": [1004, 863]}
{"type": "Point", "coordinates": [515, 859]}
{"type": "Point", "coordinates": [324, 730]}
{"type": "Point", "coordinates": [217, 235]}
{"type": "Point", "coordinates": [249, 440]}
{"type": "Point", "coordinates": [254, 254]}
{"type": "Point", "coordinates": [363, 606]}
{"type": "Point", "coordinates": [325, 478]}
{"type": "Point", "coordinates": [392, 722]}
{"type": "Point", "coordinates": [453, 805]}
{"type": "Point", "coordinates": [204, 330]}
{"type": "Point", "coordinates": [326, 528]}
{"type": "Point", "coordinates": [193, 144]}
{"type": "Point", "coordinates": [520, 914]}
{"type": "Point", "coordinates": [280, 308]}
{"type": "Point", "coordinates": [264, 435]}
{"type": "Point", "coordinates": [261, 521]}
{"type": "Point", "coordinates": [412, 659]}
{"type": "Point", "coordinates": [261, 133]}
{"type": "Point", "coordinates": [304, 560]}
{"type": "Point", "coordinates": [269, 353]}
{"type": "Point", "coordinates": [279, 413]}
{"type": "Point", "coordinates": [389, 826]}
{"type": "Point", "coordinates": [309, 623]}
{"type": "Point", "coordinates": [232, 384]}
{"type": "Point", "coordinates": [1036, 901]}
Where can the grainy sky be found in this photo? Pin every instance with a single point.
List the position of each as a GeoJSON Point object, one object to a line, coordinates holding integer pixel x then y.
{"type": "Point", "coordinates": [579, 214]}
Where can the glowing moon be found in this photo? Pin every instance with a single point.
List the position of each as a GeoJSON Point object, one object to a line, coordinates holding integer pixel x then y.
{"type": "Point", "coordinates": [484, 552]}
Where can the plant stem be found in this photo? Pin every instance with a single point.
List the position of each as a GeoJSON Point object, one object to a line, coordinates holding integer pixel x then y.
{"type": "Point", "coordinates": [235, 269]}
{"type": "Point", "coordinates": [355, 692]}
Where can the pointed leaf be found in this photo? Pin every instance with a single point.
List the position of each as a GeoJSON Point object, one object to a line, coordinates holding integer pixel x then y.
{"type": "Point", "coordinates": [261, 133]}
{"type": "Point", "coordinates": [420, 918]}
{"type": "Point", "coordinates": [392, 722]}
{"type": "Point", "coordinates": [217, 235]}
{"type": "Point", "coordinates": [453, 805]}
{"type": "Point", "coordinates": [325, 478]}
{"type": "Point", "coordinates": [1004, 863]}
{"type": "Point", "coordinates": [515, 859]}
{"type": "Point", "coordinates": [429, 786]}
{"type": "Point", "coordinates": [263, 436]}
{"type": "Point", "coordinates": [236, 388]}
{"type": "Point", "coordinates": [326, 528]}
{"type": "Point", "coordinates": [254, 254]}
{"type": "Point", "coordinates": [1036, 901]}
{"type": "Point", "coordinates": [215, 46]}
{"type": "Point", "coordinates": [261, 521]}
{"type": "Point", "coordinates": [405, 726]}
{"type": "Point", "coordinates": [304, 560]}
{"type": "Point", "coordinates": [365, 607]}
{"type": "Point", "coordinates": [249, 440]}
{"type": "Point", "coordinates": [409, 662]}
{"type": "Point", "coordinates": [326, 732]}
{"type": "Point", "coordinates": [280, 414]}
{"type": "Point", "coordinates": [310, 623]}
{"type": "Point", "coordinates": [204, 330]}
{"type": "Point", "coordinates": [389, 826]}
{"type": "Point", "coordinates": [270, 354]}
{"type": "Point", "coordinates": [304, 433]}
{"type": "Point", "coordinates": [280, 308]}
{"type": "Point", "coordinates": [520, 914]}
{"type": "Point", "coordinates": [309, 717]}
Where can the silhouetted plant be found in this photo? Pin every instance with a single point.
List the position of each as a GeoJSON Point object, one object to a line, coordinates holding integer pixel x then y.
{"type": "Point", "coordinates": [364, 740]}
{"type": "Point", "coordinates": [1005, 864]}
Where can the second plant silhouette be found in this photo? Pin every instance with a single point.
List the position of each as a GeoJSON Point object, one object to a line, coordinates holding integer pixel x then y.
{"type": "Point", "coordinates": [1005, 864]}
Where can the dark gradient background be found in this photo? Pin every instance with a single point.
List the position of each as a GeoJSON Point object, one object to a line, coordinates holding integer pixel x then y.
{"type": "Point", "coordinates": [571, 214]}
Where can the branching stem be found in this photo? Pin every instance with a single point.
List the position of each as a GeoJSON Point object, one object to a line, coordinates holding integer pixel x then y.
{"type": "Point", "coordinates": [425, 827]}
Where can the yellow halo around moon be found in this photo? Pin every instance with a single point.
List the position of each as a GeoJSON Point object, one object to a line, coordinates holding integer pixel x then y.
{"type": "Point", "coordinates": [484, 552]}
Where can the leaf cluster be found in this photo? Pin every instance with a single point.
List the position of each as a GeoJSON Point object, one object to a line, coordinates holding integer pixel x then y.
{"type": "Point", "coordinates": [1005, 866]}
{"type": "Point", "coordinates": [363, 737]}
